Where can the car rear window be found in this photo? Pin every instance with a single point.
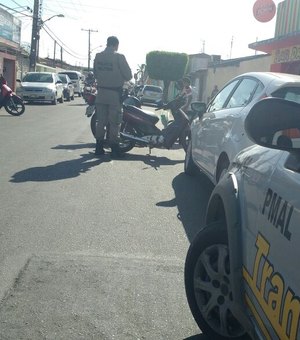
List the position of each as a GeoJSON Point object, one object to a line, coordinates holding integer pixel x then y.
{"type": "Point", "coordinates": [71, 75]}
{"type": "Point", "coordinates": [63, 78]}
{"type": "Point", "coordinates": [291, 93]}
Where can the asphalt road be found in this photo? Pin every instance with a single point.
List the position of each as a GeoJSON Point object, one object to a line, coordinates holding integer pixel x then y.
{"type": "Point", "coordinates": [92, 248]}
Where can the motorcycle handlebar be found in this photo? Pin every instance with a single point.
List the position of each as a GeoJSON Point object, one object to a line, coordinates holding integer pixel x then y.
{"type": "Point", "coordinates": [177, 101]}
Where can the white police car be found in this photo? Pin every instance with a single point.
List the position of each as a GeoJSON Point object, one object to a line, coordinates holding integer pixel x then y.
{"type": "Point", "coordinates": [218, 135]}
{"type": "Point", "coordinates": [242, 273]}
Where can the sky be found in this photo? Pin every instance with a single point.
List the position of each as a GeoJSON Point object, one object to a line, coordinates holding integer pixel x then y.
{"type": "Point", "coordinates": [191, 26]}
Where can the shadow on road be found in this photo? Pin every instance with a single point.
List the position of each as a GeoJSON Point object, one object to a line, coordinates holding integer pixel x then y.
{"type": "Point", "coordinates": [197, 337]}
{"type": "Point", "coordinates": [191, 197]}
{"type": "Point", "coordinates": [59, 171]}
{"type": "Point", "coordinates": [152, 161]}
{"type": "Point", "coordinates": [74, 146]}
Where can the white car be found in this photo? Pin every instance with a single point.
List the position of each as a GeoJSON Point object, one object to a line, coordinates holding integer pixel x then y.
{"type": "Point", "coordinates": [218, 135]}
{"type": "Point", "coordinates": [41, 87]}
{"type": "Point", "coordinates": [242, 274]}
{"type": "Point", "coordinates": [151, 94]}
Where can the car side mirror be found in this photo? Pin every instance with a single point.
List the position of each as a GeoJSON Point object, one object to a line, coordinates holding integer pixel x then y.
{"type": "Point", "coordinates": [18, 80]}
{"type": "Point", "coordinates": [199, 108]}
{"type": "Point", "coordinates": [274, 123]}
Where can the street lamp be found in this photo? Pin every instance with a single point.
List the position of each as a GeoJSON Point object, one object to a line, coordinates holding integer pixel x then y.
{"type": "Point", "coordinates": [56, 15]}
{"type": "Point", "coordinates": [37, 24]}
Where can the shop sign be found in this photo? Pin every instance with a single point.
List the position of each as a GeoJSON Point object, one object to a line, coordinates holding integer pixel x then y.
{"type": "Point", "coordinates": [264, 10]}
{"type": "Point", "coordinates": [286, 55]}
{"type": "Point", "coordinates": [10, 27]}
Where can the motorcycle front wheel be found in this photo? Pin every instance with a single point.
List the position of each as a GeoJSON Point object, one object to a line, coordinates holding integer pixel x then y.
{"type": "Point", "coordinates": [184, 138]}
{"type": "Point", "coordinates": [15, 106]}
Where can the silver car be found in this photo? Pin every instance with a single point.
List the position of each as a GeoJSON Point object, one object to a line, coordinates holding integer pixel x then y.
{"type": "Point", "coordinates": [218, 135]}
{"type": "Point", "coordinates": [242, 273]}
{"type": "Point", "coordinates": [41, 87]}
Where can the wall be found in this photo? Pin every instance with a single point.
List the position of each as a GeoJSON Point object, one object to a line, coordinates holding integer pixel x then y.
{"type": "Point", "coordinates": [225, 71]}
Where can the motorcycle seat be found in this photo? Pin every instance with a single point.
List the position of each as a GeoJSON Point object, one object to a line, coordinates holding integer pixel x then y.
{"type": "Point", "coordinates": [148, 115]}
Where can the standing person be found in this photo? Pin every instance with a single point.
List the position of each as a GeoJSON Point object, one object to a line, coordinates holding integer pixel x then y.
{"type": "Point", "coordinates": [187, 93]}
{"type": "Point", "coordinates": [111, 70]}
{"type": "Point", "coordinates": [214, 92]}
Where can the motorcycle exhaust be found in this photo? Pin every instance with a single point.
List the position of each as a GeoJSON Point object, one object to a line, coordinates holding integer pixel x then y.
{"type": "Point", "coordinates": [135, 139]}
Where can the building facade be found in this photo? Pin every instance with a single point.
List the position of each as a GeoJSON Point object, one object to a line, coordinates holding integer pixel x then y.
{"type": "Point", "coordinates": [10, 35]}
{"type": "Point", "coordinates": [285, 46]}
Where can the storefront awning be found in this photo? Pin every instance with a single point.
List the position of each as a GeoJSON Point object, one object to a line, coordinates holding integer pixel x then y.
{"type": "Point", "coordinates": [273, 44]}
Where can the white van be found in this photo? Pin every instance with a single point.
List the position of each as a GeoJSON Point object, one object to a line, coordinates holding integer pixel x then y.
{"type": "Point", "coordinates": [77, 79]}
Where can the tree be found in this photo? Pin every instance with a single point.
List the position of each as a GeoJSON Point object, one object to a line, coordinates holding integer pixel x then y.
{"type": "Point", "coordinates": [166, 66]}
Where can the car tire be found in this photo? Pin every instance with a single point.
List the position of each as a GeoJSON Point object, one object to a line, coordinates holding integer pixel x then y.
{"type": "Point", "coordinates": [190, 168]}
{"type": "Point", "coordinates": [208, 284]}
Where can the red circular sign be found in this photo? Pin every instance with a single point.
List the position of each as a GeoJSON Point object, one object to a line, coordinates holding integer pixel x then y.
{"type": "Point", "coordinates": [264, 10]}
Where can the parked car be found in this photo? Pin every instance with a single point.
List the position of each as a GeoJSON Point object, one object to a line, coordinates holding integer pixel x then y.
{"type": "Point", "coordinates": [151, 94]}
{"type": "Point", "coordinates": [77, 79]}
{"type": "Point", "coordinates": [41, 87]}
{"type": "Point", "coordinates": [219, 134]}
{"type": "Point", "coordinates": [68, 90]}
{"type": "Point", "coordinates": [241, 275]}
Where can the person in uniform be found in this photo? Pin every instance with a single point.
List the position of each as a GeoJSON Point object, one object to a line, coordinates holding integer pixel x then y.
{"type": "Point", "coordinates": [111, 70]}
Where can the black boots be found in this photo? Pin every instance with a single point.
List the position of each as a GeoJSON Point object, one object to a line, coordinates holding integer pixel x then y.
{"type": "Point", "coordinates": [99, 148]}
{"type": "Point", "coordinates": [115, 151]}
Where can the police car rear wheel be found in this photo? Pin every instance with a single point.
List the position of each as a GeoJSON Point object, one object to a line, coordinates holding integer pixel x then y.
{"type": "Point", "coordinates": [208, 284]}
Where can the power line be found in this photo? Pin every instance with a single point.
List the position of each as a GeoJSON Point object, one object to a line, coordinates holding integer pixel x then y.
{"type": "Point", "coordinates": [63, 44]}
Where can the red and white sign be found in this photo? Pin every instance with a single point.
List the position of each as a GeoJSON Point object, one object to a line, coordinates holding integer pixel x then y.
{"type": "Point", "coordinates": [264, 10]}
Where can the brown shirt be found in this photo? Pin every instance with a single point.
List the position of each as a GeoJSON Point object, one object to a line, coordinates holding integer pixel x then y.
{"type": "Point", "coordinates": [111, 70]}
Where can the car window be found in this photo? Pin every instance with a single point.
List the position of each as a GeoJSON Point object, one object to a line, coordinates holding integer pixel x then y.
{"type": "Point", "coordinates": [243, 93]}
{"type": "Point", "coordinates": [221, 98]}
{"type": "Point", "coordinates": [289, 93]}
{"type": "Point", "coordinates": [38, 78]}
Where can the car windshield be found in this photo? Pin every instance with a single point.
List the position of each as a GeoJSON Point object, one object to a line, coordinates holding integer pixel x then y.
{"type": "Point", "coordinates": [38, 78]}
{"type": "Point", "coordinates": [153, 89]}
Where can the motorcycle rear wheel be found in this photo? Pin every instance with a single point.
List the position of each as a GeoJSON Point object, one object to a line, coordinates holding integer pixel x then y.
{"type": "Point", "coordinates": [125, 145]}
{"type": "Point", "coordinates": [15, 106]}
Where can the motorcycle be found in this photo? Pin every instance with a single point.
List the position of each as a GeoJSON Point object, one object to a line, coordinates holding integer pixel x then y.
{"type": "Point", "coordinates": [12, 103]}
{"type": "Point", "coordinates": [139, 127]}
{"type": "Point", "coordinates": [88, 89]}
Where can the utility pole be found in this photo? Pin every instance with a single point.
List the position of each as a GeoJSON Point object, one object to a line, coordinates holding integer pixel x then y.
{"type": "Point", "coordinates": [54, 53]}
{"type": "Point", "coordinates": [35, 35]}
{"type": "Point", "coordinates": [89, 46]}
{"type": "Point", "coordinates": [231, 46]}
